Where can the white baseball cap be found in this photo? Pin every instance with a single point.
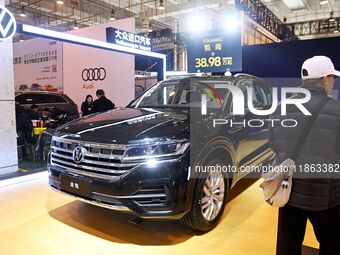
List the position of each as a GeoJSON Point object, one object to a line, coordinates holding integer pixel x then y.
{"type": "Point", "coordinates": [318, 67]}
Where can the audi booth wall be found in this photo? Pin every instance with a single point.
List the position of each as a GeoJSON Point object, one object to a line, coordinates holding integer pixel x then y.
{"type": "Point", "coordinates": [76, 64]}
{"type": "Point", "coordinates": [79, 70]}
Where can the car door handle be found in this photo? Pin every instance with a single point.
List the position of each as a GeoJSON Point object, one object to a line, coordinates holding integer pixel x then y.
{"type": "Point", "coordinates": [235, 129]}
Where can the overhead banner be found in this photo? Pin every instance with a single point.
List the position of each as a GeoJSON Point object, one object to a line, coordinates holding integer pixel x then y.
{"type": "Point", "coordinates": [215, 51]}
{"type": "Point", "coordinates": [38, 65]}
{"type": "Point", "coordinates": [127, 39]}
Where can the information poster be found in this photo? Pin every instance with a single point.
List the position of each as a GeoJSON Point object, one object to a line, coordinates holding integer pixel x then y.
{"type": "Point", "coordinates": [38, 65]}
{"type": "Point", "coordinates": [215, 51]}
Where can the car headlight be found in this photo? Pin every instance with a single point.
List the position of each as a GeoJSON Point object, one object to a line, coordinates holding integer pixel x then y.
{"type": "Point", "coordinates": [153, 151]}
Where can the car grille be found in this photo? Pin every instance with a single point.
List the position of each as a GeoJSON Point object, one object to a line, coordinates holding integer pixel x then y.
{"type": "Point", "coordinates": [99, 160]}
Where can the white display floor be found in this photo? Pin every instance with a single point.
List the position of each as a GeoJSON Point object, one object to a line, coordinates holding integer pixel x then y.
{"type": "Point", "coordinates": [37, 220]}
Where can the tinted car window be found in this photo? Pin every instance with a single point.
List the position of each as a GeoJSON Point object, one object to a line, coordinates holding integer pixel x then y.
{"type": "Point", "coordinates": [39, 99]}
{"type": "Point", "coordinates": [181, 93]}
{"type": "Point", "coordinates": [263, 94]}
{"type": "Point", "coordinates": [260, 95]}
{"type": "Point", "coordinates": [243, 85]}
{"type": "Point", "coordinates": [45, 98]}
{"type": "Point", "coordinates": [25, 99]}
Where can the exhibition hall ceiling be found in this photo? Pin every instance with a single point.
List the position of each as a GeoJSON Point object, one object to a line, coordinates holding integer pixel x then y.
{"type": "Point", "coordinates": [303, 10]}
{"type": "Point", "coordinates": [155, 14]}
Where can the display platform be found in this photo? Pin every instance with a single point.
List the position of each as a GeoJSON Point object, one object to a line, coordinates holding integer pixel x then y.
{"type": "Point", "coordinates": [37, 220]}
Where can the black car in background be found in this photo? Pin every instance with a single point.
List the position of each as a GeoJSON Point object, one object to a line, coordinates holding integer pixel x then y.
{"type": "Point", "coordinates": [140, 159]}
{"type": "Point", "coordinates": [49, 100]}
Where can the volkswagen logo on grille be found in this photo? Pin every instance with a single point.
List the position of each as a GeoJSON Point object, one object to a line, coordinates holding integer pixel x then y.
{"type": "Point", "coordinates": [78, 154]}
{"type": "Point", "coordinates": [93, 74]}
{"type": "Point", "coordinates": [8, 25]}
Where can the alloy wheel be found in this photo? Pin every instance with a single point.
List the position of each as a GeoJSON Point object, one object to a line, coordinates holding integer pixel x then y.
{"type": "Point", "coordinates": [212, 196]}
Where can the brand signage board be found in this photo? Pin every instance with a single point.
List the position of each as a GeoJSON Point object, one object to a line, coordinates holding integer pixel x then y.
{"type": "Point", "coordinates": [8, 25]}
{"type": "Point", "coordinates": [127, 39]}
{"type": "Point", "coordinates": [164, 42]}
{"type": "Point", "coordinates": [215, 51]}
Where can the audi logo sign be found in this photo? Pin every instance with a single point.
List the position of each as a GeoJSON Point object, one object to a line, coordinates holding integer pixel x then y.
{"type": "Point", "coordinates": [8, 25]}
{"type": "Point", "coordinates": [93, 74]}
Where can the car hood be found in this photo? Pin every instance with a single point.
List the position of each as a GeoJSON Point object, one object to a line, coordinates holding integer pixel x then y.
{"type": "Point", "coordinates": [129, 125]}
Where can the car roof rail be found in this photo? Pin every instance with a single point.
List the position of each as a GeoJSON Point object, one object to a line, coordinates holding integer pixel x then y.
{"type": "Point", "coordinates": [244, 74]}
{"type": "Point", "coordinates": [240, 75]}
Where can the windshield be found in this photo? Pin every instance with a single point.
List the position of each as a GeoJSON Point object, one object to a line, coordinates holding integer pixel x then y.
{"type": "Point", "coordinates": [180, 93]}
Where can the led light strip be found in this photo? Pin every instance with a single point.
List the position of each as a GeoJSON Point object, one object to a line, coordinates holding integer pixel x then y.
{"type": "Point", "coordinates": [41, 32]}
{"type": "Point", "coordinates": [21, 179]}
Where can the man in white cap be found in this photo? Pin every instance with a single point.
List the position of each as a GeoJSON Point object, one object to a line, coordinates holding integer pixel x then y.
{"type": "Point", "coordinates": [314, 196]}
{"type": "Point", "coordinates": [319, 70]}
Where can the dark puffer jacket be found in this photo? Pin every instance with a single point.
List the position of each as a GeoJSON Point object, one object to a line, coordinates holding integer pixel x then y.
{"type": "Point", "coordinates": [311, 191]}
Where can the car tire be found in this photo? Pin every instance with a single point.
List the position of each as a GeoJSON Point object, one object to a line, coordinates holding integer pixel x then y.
{"type": "Point", "coordinates": [197, 219]}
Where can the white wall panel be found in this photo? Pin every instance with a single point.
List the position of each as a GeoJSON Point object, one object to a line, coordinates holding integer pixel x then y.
{"type": "Point", "coordinates": [119, 81]}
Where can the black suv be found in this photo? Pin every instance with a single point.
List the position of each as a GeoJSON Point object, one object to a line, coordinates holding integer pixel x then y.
{"type": "Point", "coordinates": [142, 159]}
{"type": "Point", "coordinates": [48, 100]}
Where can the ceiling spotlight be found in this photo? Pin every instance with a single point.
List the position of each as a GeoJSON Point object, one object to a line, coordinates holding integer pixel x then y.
{"type": "Point", "coordinates": [112, 16]}
{"type": "Point", "coordinates": [60, 2]}
{"type": "Point", "coordinates": [74, 3]}
{"type": "Point", "coordinates": [323, 2]}
{"type": "Point", "coordinates": [161, 5]}
{"type": "Point", "coordinates": [75, 26]}
{"type": "Point", "coordinates": [22, 12]}
{"type": "Point", "coordinates": [231, 23]}
{"type": "Point", "coordinates": [336, 31]}
{"type": "Point", "coordinates": [197, 24]}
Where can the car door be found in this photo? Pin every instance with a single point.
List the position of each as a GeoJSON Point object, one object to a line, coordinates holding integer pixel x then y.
{"type": "Point", "coordinates": [246, 143]}
{"type": "Point", "coordinates": [264, 101]}
{"type": "Point", "coordinates": [251, 149]}
{"type": "Point", "coordinates": [255, 149]}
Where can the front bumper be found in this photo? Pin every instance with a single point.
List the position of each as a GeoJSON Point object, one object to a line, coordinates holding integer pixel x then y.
{"type": "Point", "coordinates": [158, 191]}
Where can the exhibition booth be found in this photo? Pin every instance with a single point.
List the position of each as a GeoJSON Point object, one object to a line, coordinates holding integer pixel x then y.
{"type": "Point", "coordinates": [145, 159]}
{"type": "Point", "coordinates": [77, 64]}
{"type": "Point", "coordinates": [67, 69]}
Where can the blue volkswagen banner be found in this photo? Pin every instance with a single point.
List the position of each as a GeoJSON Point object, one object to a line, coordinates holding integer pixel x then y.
{"type": "Point", "coordinates": [127, 39]}
{"type": "Point", "coordinates": [215, 51]}
{"type": "Point", "coordinates": [7, 24]}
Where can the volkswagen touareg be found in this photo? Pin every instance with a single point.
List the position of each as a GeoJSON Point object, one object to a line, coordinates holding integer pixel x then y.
{"type": "Point", "coordinates": [143, 158]}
